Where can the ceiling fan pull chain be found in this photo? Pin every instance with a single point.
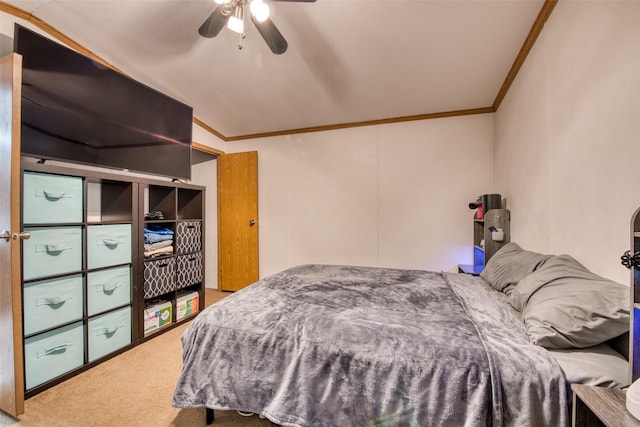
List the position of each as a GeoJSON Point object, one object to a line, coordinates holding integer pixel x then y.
{"type": "Point", "coordinates": [242, 36]}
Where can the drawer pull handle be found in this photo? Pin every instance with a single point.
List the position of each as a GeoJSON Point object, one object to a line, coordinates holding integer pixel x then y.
{"type": "Point", "coordinates": [52, 301]}
{"type": "Point", "coordinates": [191, 226]}
{"type": "Point", "coordinates": [52, 249]}
{"type": "Point", "coordinates": [192, 259]}
{"type": "Point", "coordinates": [52, 196]}
{"type": "Point", "coordinates": [57, 349]}
{"type": "Point", "coordinates": [108, 332]}
{"type": "Point", "coordinates": [110, 243]}
{"type": "Point", "coordinates": [108, 289]}
{"type": "Point", "coordinates": [166, 264]}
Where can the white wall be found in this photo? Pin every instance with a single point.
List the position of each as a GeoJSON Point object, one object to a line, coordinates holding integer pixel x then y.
{"type": "Point", "coordinates": [390, 195]}
{"type": "Point", "coordinates": [567, 136]}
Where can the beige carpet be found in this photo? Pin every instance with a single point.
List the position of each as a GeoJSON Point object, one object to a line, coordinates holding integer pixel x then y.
{"type": "Point", "coordinates": [132, 389]}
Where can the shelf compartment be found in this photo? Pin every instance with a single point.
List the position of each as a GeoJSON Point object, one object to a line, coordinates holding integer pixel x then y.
{"type": "Point", "coordinates": [160, 199]}
{"type": "Point", "coordinates": [109, 201]}
{"type": "Point", "coordinates": [157, 316]}
{"type": "Point", "coordinates": [189, 203]}
{"type": "Point", "coordinates": [187, 305]}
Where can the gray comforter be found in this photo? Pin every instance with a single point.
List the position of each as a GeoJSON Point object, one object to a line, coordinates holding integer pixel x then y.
{"type": "Point", "coordinates": [320, 345]}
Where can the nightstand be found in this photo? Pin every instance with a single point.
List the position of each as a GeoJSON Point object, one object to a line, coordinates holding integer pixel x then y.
{"type": "Point", "coordinates": [474, 270]}
{"type": "Point", "coordinates": [599, 406]}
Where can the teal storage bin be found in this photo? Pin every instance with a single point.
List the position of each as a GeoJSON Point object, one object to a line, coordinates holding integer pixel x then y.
{"type": "Point", "coordinates": [108, 245]}
{"type": "Point", "coordinates": [52, 251]}
{"type": "Point", "coordinates": [50, 303]}
{"type": "Point", "coordinates": [107, 289]}
{"type": "Point", "coordinates": [109, 332]}
{"type": "Point", "coordinates": [53, 353]}
{"type": "Point", "coordinates": [52, 199]}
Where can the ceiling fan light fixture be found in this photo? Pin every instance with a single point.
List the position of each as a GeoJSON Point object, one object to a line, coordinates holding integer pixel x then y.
{"type": "Point", "coordinates": [260, 10]}
{"type": "Point", "coordinates": [236, 20]}
{"type": "Point", "coordinates": [231, 14]}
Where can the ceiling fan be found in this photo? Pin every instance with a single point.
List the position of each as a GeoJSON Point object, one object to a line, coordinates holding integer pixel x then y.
{"type": "Point", "coordinates": [231, 14]}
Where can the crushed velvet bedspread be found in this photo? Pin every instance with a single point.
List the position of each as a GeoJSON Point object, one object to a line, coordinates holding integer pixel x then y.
{"type": "Point", "coordinates": [320, 345]}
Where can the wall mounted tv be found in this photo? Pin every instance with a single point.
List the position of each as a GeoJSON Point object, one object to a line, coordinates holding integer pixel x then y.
{"type": "Point", "coordinates": [77, 110]}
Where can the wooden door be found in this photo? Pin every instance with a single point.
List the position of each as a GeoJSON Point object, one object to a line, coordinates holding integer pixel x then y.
{"type": "Point", "coordinates": [237, 220]}
{"type": "Point", "coordinates": [11, 365]}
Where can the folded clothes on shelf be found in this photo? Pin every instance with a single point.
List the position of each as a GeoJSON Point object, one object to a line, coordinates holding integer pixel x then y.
{"type": "Point", "coordinates": [158, 228]}
{"type": "Point", "coordinates": [158, 245]}
{"type": "Point", "coordinates": [150, 238]}
{"type": "Point", "coordinates": [154, 215]}
{"type": "Point", "coordinates": [159, 252]}
{"type": "Point", "coordinates": [154, 233]}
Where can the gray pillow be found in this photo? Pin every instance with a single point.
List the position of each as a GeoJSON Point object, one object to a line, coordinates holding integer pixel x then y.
{"type": "Point", "coordinates": [564, 305]}
{"type": "Point", "coordinates": [510, 265]}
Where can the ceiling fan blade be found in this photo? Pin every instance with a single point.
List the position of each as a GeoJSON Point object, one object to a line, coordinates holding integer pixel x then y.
{"type": "Point", "coordinates": [271, 35]}
{"type": "Point", "coordinates": [214, 23]}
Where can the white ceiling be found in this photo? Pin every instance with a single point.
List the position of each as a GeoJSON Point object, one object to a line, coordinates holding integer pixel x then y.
{"type": "Point", "coordinates": [348, 60]}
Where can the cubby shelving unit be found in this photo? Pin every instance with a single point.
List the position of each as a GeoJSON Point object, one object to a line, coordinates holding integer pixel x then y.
{"type": "Point", "coordinates": [169, 278]}
{"type": "Point", "coordinates": [83, 277]}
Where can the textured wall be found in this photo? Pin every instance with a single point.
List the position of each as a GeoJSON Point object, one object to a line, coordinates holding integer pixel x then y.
{"type": "Point", "coordinates": [567, 137]}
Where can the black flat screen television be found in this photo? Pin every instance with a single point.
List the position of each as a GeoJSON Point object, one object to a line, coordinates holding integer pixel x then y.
{"type": "Point", "coordinates": [77, 110]}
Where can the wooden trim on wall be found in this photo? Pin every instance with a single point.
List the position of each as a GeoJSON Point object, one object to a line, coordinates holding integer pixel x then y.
{"type": "Point", "coordinates": [364, 123]}
{"type": "Point", "coordinates": [22, 14]}
{"type": "Point", "coordinates": [206, 148]}
{"type": "Point", "coordinates": [209, 129]}
{"type": "Point", "coordinates": [535, 31]}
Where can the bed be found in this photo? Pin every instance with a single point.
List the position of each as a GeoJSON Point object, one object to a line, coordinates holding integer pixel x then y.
{"type": "Point", "coordinates": [328, 345]}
